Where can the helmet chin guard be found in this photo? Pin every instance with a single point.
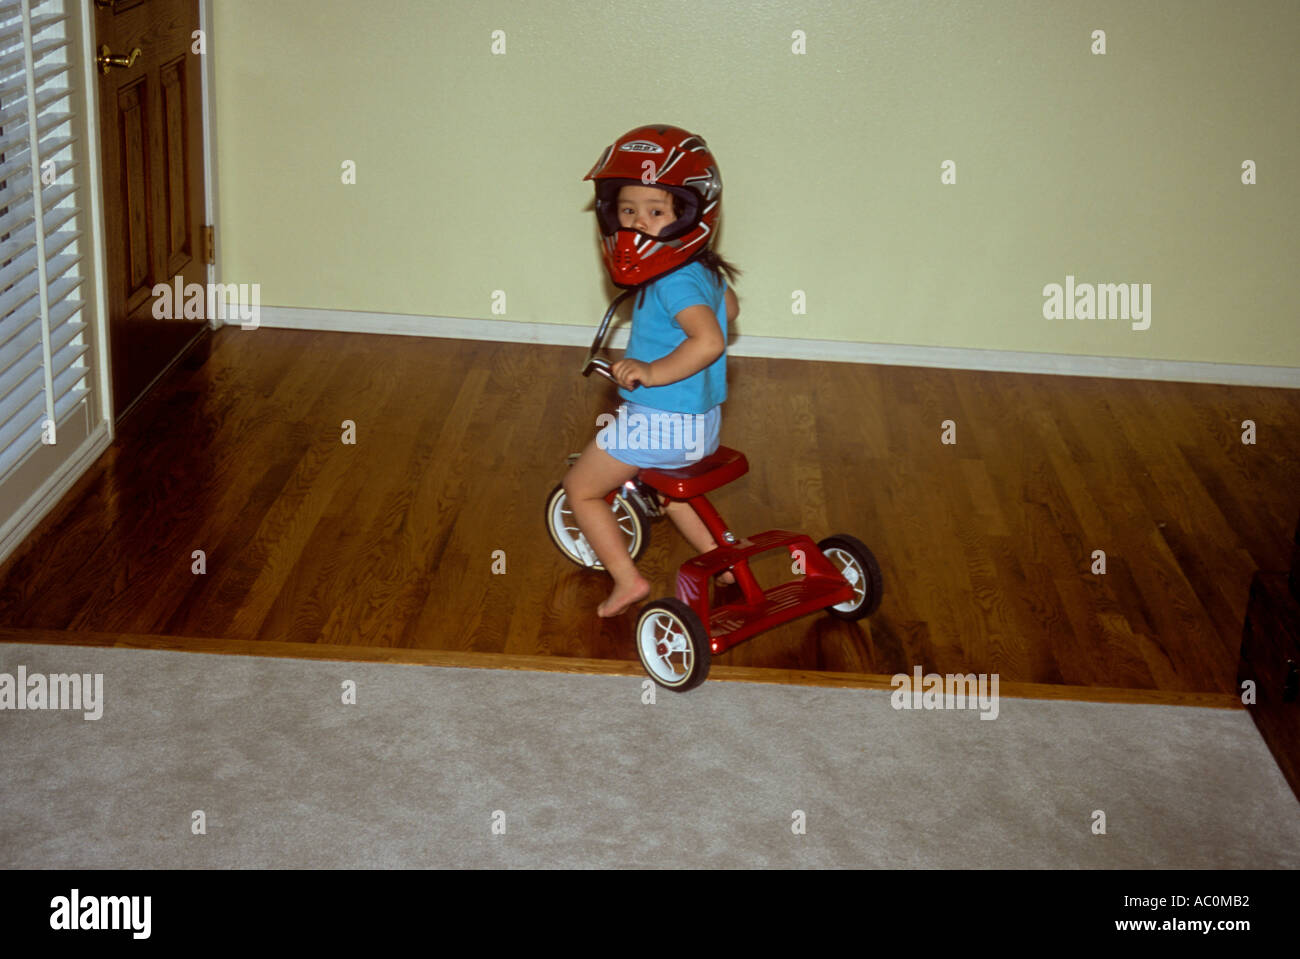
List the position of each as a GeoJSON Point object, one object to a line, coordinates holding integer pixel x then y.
{"type": "Point", "coordinates": [633, 257]}
{"type": "Point", "coordinates": [670, 159]}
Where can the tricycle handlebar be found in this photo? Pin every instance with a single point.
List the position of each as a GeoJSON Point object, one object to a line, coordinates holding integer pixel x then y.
{"type": "Point", "coordinates": [595, 363]}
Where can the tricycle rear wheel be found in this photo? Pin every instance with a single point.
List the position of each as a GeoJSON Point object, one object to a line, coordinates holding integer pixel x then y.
{"type": "Point", "coordinates": [673, 645]}
{"type": "Point", "coordinates": [856, 563]}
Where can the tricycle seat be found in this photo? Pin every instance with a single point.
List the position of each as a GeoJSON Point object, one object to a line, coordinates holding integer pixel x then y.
{"type": "Point", "coordinates": [717, 469]}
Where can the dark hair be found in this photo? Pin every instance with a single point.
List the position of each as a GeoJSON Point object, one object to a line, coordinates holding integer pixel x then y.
{"type": "Point", "coordinates": [709, 259]}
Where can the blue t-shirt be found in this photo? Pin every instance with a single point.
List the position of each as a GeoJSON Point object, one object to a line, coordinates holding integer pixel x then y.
{"type": "Point", "coordinates": [656, 333]}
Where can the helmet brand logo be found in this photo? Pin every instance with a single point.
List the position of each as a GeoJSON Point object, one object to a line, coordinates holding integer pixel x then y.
{"type": "Point", "coordinates": [642, 146]}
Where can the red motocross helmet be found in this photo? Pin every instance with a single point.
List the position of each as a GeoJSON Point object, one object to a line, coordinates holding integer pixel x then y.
{"type": "Point", "coordinates": [674, 160]}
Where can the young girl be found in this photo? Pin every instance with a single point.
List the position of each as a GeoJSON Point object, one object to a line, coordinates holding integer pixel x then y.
{"type": "Point", "coordinates": [658, 202]}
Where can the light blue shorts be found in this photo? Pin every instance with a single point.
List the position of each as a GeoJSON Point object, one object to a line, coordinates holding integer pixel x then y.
{"type": "Point", "coordinates": [654, 439]}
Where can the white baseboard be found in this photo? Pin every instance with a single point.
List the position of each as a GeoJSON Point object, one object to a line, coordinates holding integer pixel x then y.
{"type": "Point", "coordinates": [887, 354]}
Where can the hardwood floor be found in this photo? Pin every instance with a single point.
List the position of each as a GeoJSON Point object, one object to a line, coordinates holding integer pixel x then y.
{"type": "Point", "coordinates": [384, 549]}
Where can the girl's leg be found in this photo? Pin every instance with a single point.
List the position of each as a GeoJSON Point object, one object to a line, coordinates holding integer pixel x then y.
{"type": "Point", "coordinates": [586, 485]}
{"type": "Point", "coordinates": [694, 531]}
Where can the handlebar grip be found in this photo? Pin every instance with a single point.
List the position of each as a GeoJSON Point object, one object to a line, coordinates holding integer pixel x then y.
{"type": "Point", "coordinates": [598, 364]}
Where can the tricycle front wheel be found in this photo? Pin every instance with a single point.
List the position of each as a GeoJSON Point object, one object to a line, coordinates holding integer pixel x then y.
{"type": "Point", "coordinates": [568, 538]}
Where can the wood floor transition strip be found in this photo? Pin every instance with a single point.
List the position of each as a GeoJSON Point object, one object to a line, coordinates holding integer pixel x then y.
{"type": "Point", "coordinates": [577, 665]}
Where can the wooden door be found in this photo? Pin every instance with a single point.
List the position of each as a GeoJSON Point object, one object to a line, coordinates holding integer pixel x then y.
{"type": "Point", "coordinates": [151, 127]}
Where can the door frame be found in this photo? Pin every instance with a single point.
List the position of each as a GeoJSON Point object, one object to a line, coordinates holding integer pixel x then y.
{"type": "Point", "coordinates": [209, 151]}
{"type": "Point", "coordinates": [95, 192]}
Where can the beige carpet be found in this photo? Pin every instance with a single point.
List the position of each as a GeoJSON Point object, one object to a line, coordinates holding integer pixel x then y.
{"type": "Point", "coordinates": [470, 768]}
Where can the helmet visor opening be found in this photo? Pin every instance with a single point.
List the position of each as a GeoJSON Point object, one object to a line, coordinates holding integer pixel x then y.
{"type": "Point", "coordinates": [686, 207]}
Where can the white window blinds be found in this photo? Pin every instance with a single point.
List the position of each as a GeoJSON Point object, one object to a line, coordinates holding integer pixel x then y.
{"type": "Point", "coordinates": [43, 342]}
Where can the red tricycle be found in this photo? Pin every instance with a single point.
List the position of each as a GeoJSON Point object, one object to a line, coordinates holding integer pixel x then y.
{"type": "Point", "coordinates": [676, 638]}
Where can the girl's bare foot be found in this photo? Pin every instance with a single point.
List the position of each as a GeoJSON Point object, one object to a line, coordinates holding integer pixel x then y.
{"type": "Point", "coordinates": [725, 578]}
{"type": "Point", "coordinates": [622, 597]}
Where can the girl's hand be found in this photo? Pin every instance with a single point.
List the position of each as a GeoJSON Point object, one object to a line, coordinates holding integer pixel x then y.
{"type": "Point", "coordinates": [628, 372]}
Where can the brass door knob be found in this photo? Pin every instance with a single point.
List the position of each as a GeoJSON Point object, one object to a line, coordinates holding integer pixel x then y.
{"type": "Point", "coordinates": [107, 60]}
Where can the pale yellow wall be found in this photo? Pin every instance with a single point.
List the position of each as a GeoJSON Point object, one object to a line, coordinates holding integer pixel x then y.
{"type": "Point", "coordinates": [1115, 168]}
